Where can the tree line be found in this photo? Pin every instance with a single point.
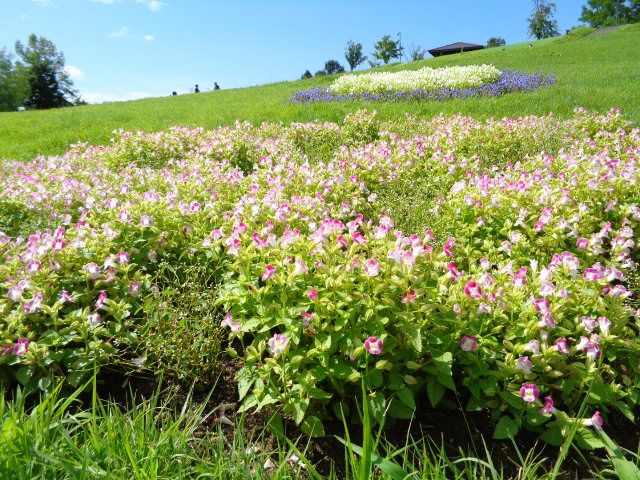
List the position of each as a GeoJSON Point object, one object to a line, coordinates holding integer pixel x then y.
{"type": "Point", "coordinates": [36, 79]}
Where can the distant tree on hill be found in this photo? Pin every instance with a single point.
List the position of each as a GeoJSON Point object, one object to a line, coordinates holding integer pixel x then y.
{"type": "Point", "coordinates": [13, 87]}
{"type": "Point", "coordinates": [496, 42]}
{"type": "Point", "coordinates": [306, 74]}
{"type": "Point", "coordinates": [417, 53]}
{"type": "Point", "coordinates": [320, 73]}
{"type": "Point", "coordinates": [353, 54]}
{"type": "Point", "coordinates": [43, 66]}
{"type": "Point", "coordinates": [541, 22]}
{"type": "Point", "coordinates": [333, 66]}
{"type": "Point", "coordinates": [605, 13]}
{"type": "Point", "coordinates": [386, 49]}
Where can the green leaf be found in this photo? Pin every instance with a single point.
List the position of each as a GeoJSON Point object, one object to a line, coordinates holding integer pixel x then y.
{"type": "Point", "coordinates": [388, 467]}
{"type": "Point", "coordinates": [245, 377]}
{"type": "Point", "coordinates": [312, 426]}
{"type": "Point", "coordinates": [626, 411]}
{"type": "Point", "coordinates": [412, 331]}
{"type": "Point", "coordinates": [587, 439]}
{"type": "Point", "coordinates": [625, 469]}
{"type": "Point", "coordinates": [405, 395]}
{"type": "Point", "coordinates": [24, 374]}
{"type": "Point", "coordinates": [553, 436]}
{"type": "Point", "coordinates": [506, 428]}
{"type": "Point", "coordinates": [299, 408]}
{"type": "Point", "coordinates": [399, 410]}
{"type": "Point", "coordinates": [377, 405]}
{"type": "Point", "coordinates": [435, 391]}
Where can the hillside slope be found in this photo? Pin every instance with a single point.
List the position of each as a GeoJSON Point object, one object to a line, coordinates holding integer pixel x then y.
{"type": "Point", "coordinates": [598, 71]}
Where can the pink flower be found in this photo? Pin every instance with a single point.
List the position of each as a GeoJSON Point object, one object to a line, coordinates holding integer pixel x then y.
{"type": "Point", "coordinates": [33, 266]}
{"type": "Point", "coordinates": [66, 297]}
{"type": "Point", "coordinates": [268, 272]}
{"type": "Point", "coordinates": [453, 271]}
{"type": "Point", "coordinates": [548, 406]}
{"type": "Point", "coordinates": [373, 345]}
{"type": "Point", "coordinates": [582, 244]}
{"type": "Point", "coordinates": [313, 294]}
{"type": "Point", "coordinates": [604, 324]}
{"type": "Point", "coordinates": [542, 305]}
{"type": "Point", "coordinates": [21, 347]}
{"type": "Point", "coordinates": [473, 290]}
{"type": "Point", "coordinates": [595, 421]}
{"type": "Point", "coordinates": [562, 346]}
{"type": "Point", "coordinates": [358, 238]}
{"type": "Point", "coordinates": [529, 392]}
{"type": "Point", "coordinates": [94, 319]}
{"type": "Point", "coordinates": [409, 297]}
{"type": "Point", "coordinates": [134, 289]}
{"type": "Point", "coordinates": [102, 299]}
{"type": "Point", "coordinates": [146, 221]}
{"type": "Point", "coordinates": [93, 270]}
{"type": "Point", "coordinates": [34, 305]}
{"type": "Point", "coordinates": [446, 248]}
{"type": "Point", "coordinates": [371, 267]}
{"type": "Point", "coordinates": [259, 241]}
{"type": "Point", "coordinates": [300, 267]}
{"type": "Point", "coordinates": [15, 293]}
{"type": "Point", "coordinates": [468, 343]}
{"type": "Point", "coordinates": [124, 216]}
{"type": "Point", "coordinates": [589, 323]}
{"type": "Point", "coordinates": [122, 258]}
{"type": "Point", "coordinates": [228, 321]}
{"type": "Point", "coordinates": [533, 346]}
{"type": "Point", "coordinates": [278, 343]}
{"type": "Point", "coordinates": [592, 274]}
{"type": "Point", "coordinates": [57, 245]}
{"type": "Point", "coordinates": [306, 318]}
{"type": "Point", "coordinates": [524, 364]}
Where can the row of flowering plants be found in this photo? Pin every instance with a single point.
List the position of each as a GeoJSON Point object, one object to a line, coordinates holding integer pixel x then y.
{"type": "Point", "coordinates": [516, 297]}
{"type": "Point", "coordinates": [426, 85]}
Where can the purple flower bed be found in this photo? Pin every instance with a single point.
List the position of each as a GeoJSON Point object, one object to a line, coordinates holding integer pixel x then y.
{"type": "Point", "coordinates": [509, 81]}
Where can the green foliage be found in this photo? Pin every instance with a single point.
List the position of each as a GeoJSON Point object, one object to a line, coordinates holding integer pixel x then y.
{"type": "Point", "coordinates": [333, 67]}
{"type": "Point", "coordinates": [606, 13]}
{"type": "Point", "coordinates": [306, 75]}
{"type": "Point", "coordinates": [353, 55]}
{"type": "Point", "coordinates": [387, 49]}
{"type": "Point", "coordinates": [12, 84]}
{"type": "Point", "coordinates": [541, 22]}
{"type": "Point", "coordinates": [496, 42]}
{"type": "Point", "coordinates": [43, 66]}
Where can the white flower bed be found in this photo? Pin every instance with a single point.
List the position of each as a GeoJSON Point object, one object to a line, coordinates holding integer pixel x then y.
{"type": "Point", "coordinates": [426, 78]}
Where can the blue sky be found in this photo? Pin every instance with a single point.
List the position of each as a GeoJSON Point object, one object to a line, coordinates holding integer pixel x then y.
{"type": "Point", "coordinates": [123, 49]}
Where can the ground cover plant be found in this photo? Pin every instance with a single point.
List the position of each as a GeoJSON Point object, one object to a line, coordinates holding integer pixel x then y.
{"type": "Point", "coordinates": [596, 71]}
{"type": "Point", "coordinates": [511, 295]}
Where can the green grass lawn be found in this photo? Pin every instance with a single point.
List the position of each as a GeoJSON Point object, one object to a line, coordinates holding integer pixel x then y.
{"type": "Point", "coordinates": [598, 72]}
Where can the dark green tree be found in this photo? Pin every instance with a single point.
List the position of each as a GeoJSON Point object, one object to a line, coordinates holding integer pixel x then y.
{"type": "Point", "coordinates": [333, 66]}
{"type": "Point", "coordinates": [12, 85]}
{"type": "Point", "coordinates": [43, 66]}
{"type": "Point", "coordinates": [306, 74]}
{"type": "Point", "coordinates": [386, 49]}
{"type": "Point", "coordinates": [320, 73]}
{"type": "Point", "coordinates": [541, 22]}
{"type": "Point", "coordinates": [353, 54]}
{"type": "Point", "coordinates": [605, 13]}
{"type": "Point", "coordinates": [496, 42]}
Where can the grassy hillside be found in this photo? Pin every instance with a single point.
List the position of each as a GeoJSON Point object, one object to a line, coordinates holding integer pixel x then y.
{"type": "Point", "coordinates": [597, 71]}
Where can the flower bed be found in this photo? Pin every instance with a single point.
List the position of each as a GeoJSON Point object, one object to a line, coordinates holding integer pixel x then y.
{"type": "Point", "coordinates": [515, 297]}
{"type": "Point", "coordinates": [425, 78]}
{"type": "Point", "coordinates": [507, 82]}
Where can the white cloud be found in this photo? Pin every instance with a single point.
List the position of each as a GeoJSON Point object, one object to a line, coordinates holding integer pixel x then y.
{"type": "Point", "coordinates": [102, 97]}
{"type": "Point", "coordinates": [74, 72]}
{"type": "Point", "coordinates": [107, 2]}
{"type": "Point", "coordinates": [43, 3]}
{"type": "Point", "coordinates": [122, 33]}
{"type": "Point", "coordinates": [153, 5]}
{"type": "Point", "coordinates": [149, 38]}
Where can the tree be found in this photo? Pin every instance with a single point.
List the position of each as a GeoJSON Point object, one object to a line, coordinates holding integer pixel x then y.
{"type": "Point", "coordinates": [333, 66]}
{"type": "Point", "coordinates": [496, 42]}
{"type": "Point", "coordinates": [541, 23]}
{"type": "Point", "coordinates": [386, 49]}
{"type": "Point", "coordinates": [305, 75]}
{"type": "Point", "coordinates": [353, 54]}
{"type": "Point", "coordinates": [320, 73]}
{"type": "Point", "coordinates": [417, 53]}
{"type": "Point", "coordinates": [605, 13]}
{"type": "Point", "coordinates": [43, 66]}
{"type": "Point", "coordinates": [12, 85]}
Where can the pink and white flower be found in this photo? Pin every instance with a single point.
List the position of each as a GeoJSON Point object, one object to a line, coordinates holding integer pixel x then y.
{"type": "Point", "coordinates": [373, 345]}
{"type": "Point", "coordinates": [473, 290]}
{"type": "Point", "coordinates": [409, 297]}
{"type": "Point", "coordinates": [468, 343]}
{"type": "Point", "coordinates": [268, 272]}
{"type": "Point", "coordinates": [278, 343]}
{"type": "Point", "coordinates": [548, 407]}
{"type": "Point", "coordinates": [21, 347]}
{"type": "Point", "coordinates": [371, 267]}
{"type": "Point", "coordinates": [529, 392]}
{"type": "Point", "coordinates": [524, 364]}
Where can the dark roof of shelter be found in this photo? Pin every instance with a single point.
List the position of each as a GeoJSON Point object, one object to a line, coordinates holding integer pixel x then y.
{"type": "Point", "coordinates": [456, 47]}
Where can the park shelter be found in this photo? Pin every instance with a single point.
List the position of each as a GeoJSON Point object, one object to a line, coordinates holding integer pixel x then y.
{"type": "Point", "coordinates": [457, 47]}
